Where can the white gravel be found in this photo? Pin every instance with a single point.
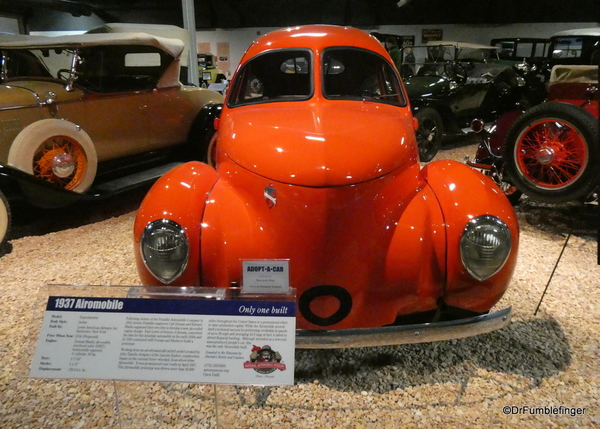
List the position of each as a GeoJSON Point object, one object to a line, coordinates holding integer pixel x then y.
{"type": "Point", "coordinates": [551, 359]}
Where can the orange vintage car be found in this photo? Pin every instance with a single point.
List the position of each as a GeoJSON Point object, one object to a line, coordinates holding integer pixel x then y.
{"type": "Point", "coordinates": [315, 161]}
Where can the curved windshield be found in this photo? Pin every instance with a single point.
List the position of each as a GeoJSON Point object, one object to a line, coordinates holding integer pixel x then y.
{"type": "Point", "coordinates": [282, 75]}
{"type": "Point", "coordinates": [357, 74]}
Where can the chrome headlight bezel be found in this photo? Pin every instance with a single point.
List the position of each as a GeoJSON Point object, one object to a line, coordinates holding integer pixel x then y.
{"type": "Point", "coordinates": [485, 246]}
{"type": "Point", "coordinates": [164, 249]}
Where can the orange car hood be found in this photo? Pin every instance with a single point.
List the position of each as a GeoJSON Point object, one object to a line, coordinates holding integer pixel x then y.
{"type": "Point", "coordinates": [318, 144]}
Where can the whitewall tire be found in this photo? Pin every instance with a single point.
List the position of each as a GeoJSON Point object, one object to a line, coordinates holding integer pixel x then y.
{"type": "Point", "coordinates": [57, 151]}
{"type": "Point", "coordinates": [4, 220]}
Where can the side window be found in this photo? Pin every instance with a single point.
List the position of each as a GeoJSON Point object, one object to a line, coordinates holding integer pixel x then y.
{"type": "Point", "coordinates": [568, 47]}
{"type": "Point", "coordinates": [283, 75]}
{"type": "Point", "coordinates": [24, 63]}
{"type": "Point", "coordinates": [121, 68]}
{"type": "Point", "coordinates": [356, 74]}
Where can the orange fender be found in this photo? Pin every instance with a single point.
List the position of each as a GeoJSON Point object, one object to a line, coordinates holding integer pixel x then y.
{"type": "Point", "coordinates": [179, 195]}
{"type": "Point", "coordinates": [464, 194]}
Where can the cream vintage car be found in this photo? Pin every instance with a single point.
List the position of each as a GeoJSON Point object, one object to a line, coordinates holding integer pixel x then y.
{"type": "Point", "coordinates": [86, 116]}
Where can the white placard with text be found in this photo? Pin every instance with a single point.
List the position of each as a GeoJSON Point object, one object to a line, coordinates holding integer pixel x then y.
{"type": "Point", "coordinates": [175, 340]}
{"type": "Point", "coordinates": [266, 276]}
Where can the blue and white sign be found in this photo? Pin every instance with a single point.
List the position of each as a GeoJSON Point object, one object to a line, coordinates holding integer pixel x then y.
{"type": "Point", "coordinates": [175, 340]}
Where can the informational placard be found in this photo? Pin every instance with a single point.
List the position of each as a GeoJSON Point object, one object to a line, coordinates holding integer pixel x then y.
{"type": "Point", "coordinates": [175, 340]}
{"type": "Point", "coordinates": [266, 276]}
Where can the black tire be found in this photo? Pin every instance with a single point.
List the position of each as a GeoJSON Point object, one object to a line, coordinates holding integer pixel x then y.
{"type": "Point", "coordinates": [5, 222]}
{"type": "Point", "coordinates": [513, 194]}
{"type": "Point", "coordinates": [551, 153]}
{"type": "Point", "coordinates": [202, 131]}
{"type": "Point", "coordinates": [429, 134]}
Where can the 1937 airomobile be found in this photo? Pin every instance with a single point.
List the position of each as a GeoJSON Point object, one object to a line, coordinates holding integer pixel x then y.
{"type": "Point", "coordinates": [315, 161]}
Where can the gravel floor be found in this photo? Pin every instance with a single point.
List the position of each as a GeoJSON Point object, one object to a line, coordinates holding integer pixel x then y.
{"type": "Point", "coordinates": [546, 360]}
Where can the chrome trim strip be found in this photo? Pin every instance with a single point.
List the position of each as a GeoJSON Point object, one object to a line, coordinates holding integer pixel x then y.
{"type": "Point", "coordinates": [405, 334]}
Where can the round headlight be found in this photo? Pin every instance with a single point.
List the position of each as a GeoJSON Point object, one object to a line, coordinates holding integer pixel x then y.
{"type": "Point", "coordinates": [164, 249]}
{"type": "Point", "coordinates": [485, 246]}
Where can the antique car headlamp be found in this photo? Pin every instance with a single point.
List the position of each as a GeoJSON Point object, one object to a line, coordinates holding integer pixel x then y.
{"type": "Point", "coordinates": [485, 246]}
{"type": "Point", "coordinates": [165, 249]}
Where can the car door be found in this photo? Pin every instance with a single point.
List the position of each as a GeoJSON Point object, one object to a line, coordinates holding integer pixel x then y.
{"type": "Point", "coordinates": [116, 100]}
{"type": "Point", "coordinates": [470, 93]}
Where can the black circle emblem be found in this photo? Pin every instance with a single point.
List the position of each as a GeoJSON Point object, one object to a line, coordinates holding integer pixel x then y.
{"type": "Point", "coordinates": [311, 294]}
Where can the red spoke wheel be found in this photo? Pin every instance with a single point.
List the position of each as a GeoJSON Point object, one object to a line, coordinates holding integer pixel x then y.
{"type": "Point", "coordinates": [551, 152]}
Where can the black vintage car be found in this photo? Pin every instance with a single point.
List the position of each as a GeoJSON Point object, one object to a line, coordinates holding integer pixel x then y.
{"type": "Point", "coordinates": [575, 47]}
{"type": "Point", "coordinates": [452, 83]}
{"type": "Point", "coordinates": [532, 50]}
{"type": "Point", "coordinates": [529, 57]}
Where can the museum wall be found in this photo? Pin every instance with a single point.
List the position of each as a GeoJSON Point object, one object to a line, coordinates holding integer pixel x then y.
{"type": "Point", "coordinates": [236, 41]}
{"type": "Point", "coordinates": [240, 39]}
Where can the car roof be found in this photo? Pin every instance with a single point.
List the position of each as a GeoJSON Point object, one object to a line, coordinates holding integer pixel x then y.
{"type": "Point", "coordinates": [315, 37]}
{"type": "Point", "coordinates": [579, 32]}
{"type": "Point", "coordinates": [460, 45]}
{"type": "Point", "coordinates": [520, 40]}
{"type": "Point", "coordinates": [174, 47]}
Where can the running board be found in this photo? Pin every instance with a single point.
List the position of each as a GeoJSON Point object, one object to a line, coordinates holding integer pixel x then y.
{"type": "Point", "coordinates": [134, 180]}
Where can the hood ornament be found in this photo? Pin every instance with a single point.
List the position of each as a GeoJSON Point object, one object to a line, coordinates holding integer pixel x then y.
{"type": "Point", "coordinates": [270, 197]}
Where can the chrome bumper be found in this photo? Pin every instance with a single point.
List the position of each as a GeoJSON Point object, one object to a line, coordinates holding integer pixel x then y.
{"type": "Point", "coordinates": [405, 334]}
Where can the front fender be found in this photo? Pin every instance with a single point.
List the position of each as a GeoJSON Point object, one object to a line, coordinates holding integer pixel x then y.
{"type": "Point", "coordinates": [179, 195]}
{"type": "Point", "coordinates": [494, 140]}
{"type": "Point", "coordinates": [464, 194]}
{"type": "Point", "coordinates": [36, 191]}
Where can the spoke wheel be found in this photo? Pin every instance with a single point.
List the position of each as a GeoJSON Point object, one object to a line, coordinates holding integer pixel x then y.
{"type": "Point", "coordinates": [551, 152]}
{"type": "Point", "coordinates": [429, 134]}
{"type": "Point", "coordinates": [56, 151]}
{"type": "Point", "coordinates": [62, 161]}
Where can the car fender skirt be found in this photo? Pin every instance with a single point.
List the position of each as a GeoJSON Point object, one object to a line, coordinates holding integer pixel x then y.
{"type": "Point", "coordinates": [464, 194]}
{"type": "Point", "coordinates": [403, 334]}
{"type": "Point", "coordinates": [180, 195]}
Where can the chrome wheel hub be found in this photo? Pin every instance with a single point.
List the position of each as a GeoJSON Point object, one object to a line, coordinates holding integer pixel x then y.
{"type": "Point", "coordinates": [545, 155]}
{"type": "Point", "coordinates": [63, 165]}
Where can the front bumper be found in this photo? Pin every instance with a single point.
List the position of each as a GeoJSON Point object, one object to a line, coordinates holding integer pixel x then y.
{"type": "Point", "coordinates": [404, 334]}
{"type": "Point", "coordinates": [348, 338]}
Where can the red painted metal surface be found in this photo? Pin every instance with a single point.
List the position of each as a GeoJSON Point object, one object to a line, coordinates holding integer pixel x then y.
{"type": "Point", "coordinates": [352, 206]}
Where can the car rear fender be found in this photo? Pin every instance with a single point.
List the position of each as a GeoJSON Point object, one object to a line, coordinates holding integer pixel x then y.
{"type": "Point", "coordinates": [180, 195]}
{"type": "Point", "coordinates": [465, 194]}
